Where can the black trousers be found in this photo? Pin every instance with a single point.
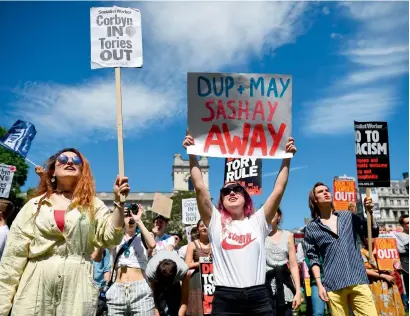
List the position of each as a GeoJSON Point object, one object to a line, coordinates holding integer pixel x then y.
{"type": "Point", "coordinates": [249, 301]}
{"type": "Point", "coordinates": [168, 300]}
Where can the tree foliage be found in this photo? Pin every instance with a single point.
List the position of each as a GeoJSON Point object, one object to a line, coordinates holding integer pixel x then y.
{"type": "Point", "coordinates": [20, 176]}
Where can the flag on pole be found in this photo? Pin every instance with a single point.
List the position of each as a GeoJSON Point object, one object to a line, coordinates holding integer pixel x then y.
{"type": "Point", "coordinates": [19, 137]}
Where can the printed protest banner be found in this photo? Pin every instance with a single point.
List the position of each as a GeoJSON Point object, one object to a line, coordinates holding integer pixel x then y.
{"type": "Point", "coordinates": [298, 238]}
{"type": "Point", "coordinates": [190, 213]}
{"type": "Point", "coordinates": [375, 200]}
{"type": "Point", "coordinates": [116, 37]}
{"type": "Point", "coordinates": [247, 171]}
{"type": "Point", "coordinates": [162, 205]}
{"type": "Point", "coordinates": [372, 154]}
{"type": "Point", "coordinates": [188, 233]}
{"type": "Point", "coordinates": [239, 115]}
{"type": "Point", "coordinates": [306, 277]}
{"type": "Point", "coordinates": [344, 191]}
{"type": "Point", "coordinates": [6, 179]}
{"type": "Point", "coordinates": [386, 253]}
{"type": "Point", "coordinates": [207, 283]}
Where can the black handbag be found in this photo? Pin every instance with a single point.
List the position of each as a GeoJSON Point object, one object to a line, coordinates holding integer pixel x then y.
{"type": "Point", "coordinates": [102, 299]}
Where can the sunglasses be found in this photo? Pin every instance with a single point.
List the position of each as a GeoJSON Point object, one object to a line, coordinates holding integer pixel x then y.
{"type": "Point", "coordinates": [63, 159]}
{"type": "Point", "coordinates": [237, 189]}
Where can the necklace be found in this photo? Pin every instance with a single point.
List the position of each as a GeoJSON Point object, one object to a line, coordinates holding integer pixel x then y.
{"type": "Point", "coordinates": [207, 251]}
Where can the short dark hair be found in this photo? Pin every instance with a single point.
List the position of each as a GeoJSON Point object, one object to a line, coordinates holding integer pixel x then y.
{"type": "Point", "coordinates": [177, 234]}
{"type": "Point", "coordinates": [166, 272]}
{"type": "Point", "coordinates": [401, 218]}
{"type": "Point", "coordinates": [6, 208]}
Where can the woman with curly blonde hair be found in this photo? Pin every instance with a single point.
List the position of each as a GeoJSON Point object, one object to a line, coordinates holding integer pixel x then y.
{"type": "Point", "coordinates": [46, 267]}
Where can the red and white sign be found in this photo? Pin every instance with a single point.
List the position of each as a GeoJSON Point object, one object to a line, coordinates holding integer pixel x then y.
{"type": "Point", "coordinates": [344, 193]}
{"type": "Point", "coordinates": [239, 115]}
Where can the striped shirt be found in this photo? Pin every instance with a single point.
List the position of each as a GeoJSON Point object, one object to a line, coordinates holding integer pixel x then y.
{"type": "Point", "coordinates": [342, 262]}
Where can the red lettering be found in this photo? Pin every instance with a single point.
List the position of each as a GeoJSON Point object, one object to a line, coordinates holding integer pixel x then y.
{"type": "Point", "coordinates": [272, 110]}
{"type": "Point", "coordinates": [229, 105]}
{"type": "Point", "coordinates": [215, 142]}
{"type": "Point", "coordinates": [276, 137]}
{"type": "Point", "coordinates": [211, 110]}
{"type": "Point", "coordinates": [236, 142]}
{"type": "Point", "coordinates": [206, 268]}
{"type": "Point", "coordinates": [258, 140]}
{"type": "Point", "coordinates": [241, 110]}
{"type": "Point", "coordinates": [220, 111]}
{"type": "Point", "coordinates": [258, 110]}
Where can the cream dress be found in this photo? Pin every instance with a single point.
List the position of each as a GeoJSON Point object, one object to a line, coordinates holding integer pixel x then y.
{"type": "Point", "coordinates": [47, 272]}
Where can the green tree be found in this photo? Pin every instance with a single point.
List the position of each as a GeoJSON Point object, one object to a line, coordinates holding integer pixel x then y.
{"type": "Point", "coordinates": [20, 176]}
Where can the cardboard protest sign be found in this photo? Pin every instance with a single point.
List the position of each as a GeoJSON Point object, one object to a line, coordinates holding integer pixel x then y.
{"type": "Point", "coordinates": [116, 37]}
{"type": "Point", "coordinates": [375, 200]}
{"type": "Point", "coordinates": [247, 171]}
{"type": "Point", "coordinates": [6, 179]}
{"type": "Point", "coordinates": [239, 115]}
{"type": "Point", "coordinates": [162, 205]}
{"type": "Point", "coordinates": [207, 283]}
{"type": "Point", "coordinates": [344, 191]}
{"type": "Point", "coordinates": [372, 154]}
{"type": "Point", "coordinates": [386, 253]}
{"type": "Point", "coordinates": [190, 213]}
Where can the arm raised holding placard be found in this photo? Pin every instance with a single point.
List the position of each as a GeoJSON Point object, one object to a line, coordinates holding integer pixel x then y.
{"type": "Point", "coordinates": [272, 203]}
{"type": "Point", "coordinates": [202, 195]}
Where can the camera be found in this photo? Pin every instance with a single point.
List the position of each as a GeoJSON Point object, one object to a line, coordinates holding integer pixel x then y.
{"type": "Point", "coordinates": [133, 207]}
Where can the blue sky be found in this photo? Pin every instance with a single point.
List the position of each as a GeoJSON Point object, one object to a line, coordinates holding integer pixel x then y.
{"type": "Point", "coordinates": [349, 61]}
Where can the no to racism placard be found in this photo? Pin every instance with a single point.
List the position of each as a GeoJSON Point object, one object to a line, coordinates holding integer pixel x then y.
{"type": "Point", "coordinates": [6, 179]}
{"type": "Point", "coordinates": [247, 171]}
{"type": "Point", "coordinates": [190, 213]}
{"type": "Point", "coordinates": [344, 191]}
{"type": "Point", "coordinates": [372, 154]}
{"type": "Point", "coordinates": [239, 115]}
{"type": "Point", "coordinates": [207, 283]}
{"type": "Point", "coordinates": [116, 37]}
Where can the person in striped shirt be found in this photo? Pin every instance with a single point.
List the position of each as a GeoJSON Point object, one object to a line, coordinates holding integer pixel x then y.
{"type": "Point", "coordinates": [332, 236]}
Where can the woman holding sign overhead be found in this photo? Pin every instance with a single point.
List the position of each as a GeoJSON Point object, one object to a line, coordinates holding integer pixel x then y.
{"type": "Point", "coordinates": [237, 235]}
{"type": "Point", "coordinates": [46, 268]}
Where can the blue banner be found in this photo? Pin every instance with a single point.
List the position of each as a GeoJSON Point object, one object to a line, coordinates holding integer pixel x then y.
{"type": "Point", "coordinates": [19, 137]}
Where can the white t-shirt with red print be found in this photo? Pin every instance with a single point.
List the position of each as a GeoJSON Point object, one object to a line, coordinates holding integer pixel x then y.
{"type": "Point", "coordinates": [238, 254]}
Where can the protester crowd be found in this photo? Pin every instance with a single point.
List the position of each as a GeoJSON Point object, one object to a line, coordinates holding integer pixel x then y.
{"type": "Point", "coordinates": [66, 253]}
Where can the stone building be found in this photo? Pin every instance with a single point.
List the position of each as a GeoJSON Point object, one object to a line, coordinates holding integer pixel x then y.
{"type": "Point", "coordinates": [180, 178]}
{"type": "Point", "coordinates": [393, 202]}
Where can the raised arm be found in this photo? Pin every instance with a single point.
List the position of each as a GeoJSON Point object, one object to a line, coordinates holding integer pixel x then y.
{"type": "Point", "coordinates": [202, 195]}
{"type": "Point", "coordinates": [148, 236]}
{"type": "Point", "coordinates": [272, 203]}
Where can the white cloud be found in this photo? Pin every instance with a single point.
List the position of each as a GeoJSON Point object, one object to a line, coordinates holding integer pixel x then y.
{"type": "Point", "coordinates": [326, 10]}
{"type": "Point", "coordinates": [271, 174]}
{"type": "Point", "coordinates": [377, 54]}
{"type": "Point", "coordinates": [178, 37]}
{"type": "Point", "coordinates": [336, 35]}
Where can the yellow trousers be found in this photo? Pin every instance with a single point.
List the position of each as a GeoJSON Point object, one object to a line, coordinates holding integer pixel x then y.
{"type": "Point", "coordinates": [358, 297]}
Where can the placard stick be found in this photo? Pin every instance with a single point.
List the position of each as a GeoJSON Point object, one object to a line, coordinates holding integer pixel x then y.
{"type": "Point", "coordinates": [119, 125]}
{"type": "Point", "coordinates": [369, 228]}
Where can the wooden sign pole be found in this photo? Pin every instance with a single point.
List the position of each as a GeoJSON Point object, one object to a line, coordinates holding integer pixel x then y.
{"type": "Point", "coordinates": [369, 227]}
{"type": "Point", "coordinates": [119, 125]}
